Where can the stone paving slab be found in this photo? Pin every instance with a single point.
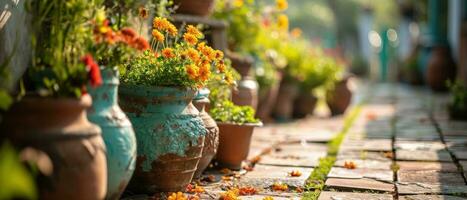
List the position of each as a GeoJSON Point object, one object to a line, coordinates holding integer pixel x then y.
{"type": "Point", "coordinates": [430, 177]}
{"type": "Point", "coordinates": [417, 155]}
{"type": "Point", "coordinates": [430, 197]}
{"type": "Point", "coordinates": [311, 159]}
{"type": "Point", "coordinates": [263, 176]}
{"type": "Point", "coordinates": [460, 154]}
{"type": "Point", "coordinates": [435, 166]}
{"type": "Point", "coordinates": [359, 173]}
{"type": "Point", "coordinates": [463, 164]}
{"type": "Point", "coordinates": [422, 146]}
{"type": "Point", "coordinates": [359, 184]}
{"type": "Point", "coordinates": [419, 188]}
{"type": "Point", "coordinates": [353, 196]}
{"type": "Point", "coordinates": [363, 155]}
{"type": "Point", "coordinates": [369, 145]}
{"type": "Point", "coordinates": [365, 164]}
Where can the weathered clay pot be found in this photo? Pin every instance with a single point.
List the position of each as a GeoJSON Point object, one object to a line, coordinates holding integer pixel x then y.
{"type": "Point", "coordinates": [198, 7]}
{"type": "Point", "coordinates": [234, 144]}
{"type": "Point", "coordinates": [304, 105]}
{"type": "Point", "coordinates": [283, 109]}
{"type": "Point", "coordinates": [441, 68]}
{"type": "Point", "coordinates": [340, 98]}
{"type": "Point", "coordinates": [170, 136]}
{"type": "Point", "coordinates": [211, 141]}
{"type": "Point", "coordinates": [60, 128]}
{"type": "Point", "coordinates": [117, 133]}
{"type": "Point", "coordinates": [267, 100]}
{"type": "Point", "coordinates": [247, 89]}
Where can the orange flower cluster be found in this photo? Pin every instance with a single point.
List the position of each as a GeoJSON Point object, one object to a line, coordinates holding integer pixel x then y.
{"type": "Point", "coordinates": [162, 24]}
{"type": "Point", "coordinates": [280, 187]}
{"type": "Point", "coordinates": [246, 191]}
{"type": "Point", "coordinates": [231, 194]}
{"type": "Point", "coordinates": [104, 33]}
{"type": "Point", "coordinates": [350, 165]}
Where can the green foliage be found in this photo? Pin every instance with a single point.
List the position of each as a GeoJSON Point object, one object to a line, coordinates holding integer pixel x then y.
{"type": "Point", "coordinates": [15, 180]}
{"type": "Point", "coordinates": [226, 111]}
{"type": "Point", "coordinates": [244, 23]}
{"type": "Point", "coordinates": [60, 32]}
{"type": "Point", "coordinates": [458, 104]}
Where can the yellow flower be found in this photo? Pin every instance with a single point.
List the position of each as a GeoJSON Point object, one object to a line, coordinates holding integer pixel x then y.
{"type": "Point", "coordinates": [283, 22]}
{"type": "Point", "coordinates": [192, 54]}
{"type": "Point", "coordinates": [194, 31]}
{"type": "Point", "coordinates": [168, 53]}
{"type": "Point", "coordinates": [221, 67]}
{"type": "Point", "coordinates": [282, 4]}
{"type": "Point", "coordinates": [229, 79]}
{"type": "Point", "coordinates": [238, 3]}
{"type": "Point", "coordinates": [158, 35]}
{"type": "Point", "coordinates": [219, 55]}
{"type": "Point", "coordinates": [192, 71]}
{"type": "Point", "coordinates": [201, 46]}
{"type": "Point", "coordinates": [190, 39]}
{"type": "Point", "coordinates": [268, 198]}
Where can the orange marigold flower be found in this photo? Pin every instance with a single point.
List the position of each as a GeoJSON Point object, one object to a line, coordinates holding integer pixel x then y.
{"type": "Point", "coordinates": [194, 31]}
{"type": "Point", "coordinates": [282, 4]}
{"type": "Point", "coordinates": [229, 79]}
{"type": "Point", "coordinates": [201, 46]}
{"type": "Point", "coordinates": [192, 54]}
{"type": "Point", "coordinates": [158, 35]}
{"type": "Point", "coordinates": [221, 67]}
{"type": "Point", "coordinates": [141, 44]}
{"type": "Point", "coordinates": [231, 194]}
{"type": "Point", "coordinates": [295, 173]}
{"type": "Point", "coordinates": [177, 196]}
{"type": "Point", "coordinates": [280, 187]}
{"type": "Point", "coordinates": [247, 191]}
{"type": "Point", "coordinates": [350, 165]}
{"type": "Point", "coordinates": [209, 53]}
{"type": "Point", "coordinates": [172, 30]}
{"type": "Point", "coordinates": [194, 188]}
{"type": "Point", "coordinates": [192, 71]}
{"type": "Point", "coordinates": [168, 53]}
{"type": "Point", "coordinates": [160, 23]}
{"type": "Point", "coordinates": [219, 54]}
{"type": "Point", "coordinates": [204, 72]}
{"type": "Point", "coordinates": [190, 39]}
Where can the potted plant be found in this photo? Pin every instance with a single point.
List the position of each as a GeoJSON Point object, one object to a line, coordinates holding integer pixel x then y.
{"type": "Point", "coordinates": [113, 47]}
{"type": "Point", "coordinates": [236, 125]}
{"type": "Point", "coordinates": [458, 105]}
{"type": "Point", "coordinates": [158, 88]}
{"type": "Point", "coordinates": [51, 117]}
{"type": "Point", "coordinates": [202, 8]}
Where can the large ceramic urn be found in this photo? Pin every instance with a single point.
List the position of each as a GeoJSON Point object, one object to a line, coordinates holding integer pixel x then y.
{"type": "Point", "coordinates": [59, 127]}
{"type": "Point", "coordinates": [117, 133]}
{"type": "Point", "coordinates": [169, 133]}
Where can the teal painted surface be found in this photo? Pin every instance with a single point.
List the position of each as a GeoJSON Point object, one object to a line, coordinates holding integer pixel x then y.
{"type": "Point", "coordinates": [117, 133]}
{"type": "Point", "coordinates": [164, 119]}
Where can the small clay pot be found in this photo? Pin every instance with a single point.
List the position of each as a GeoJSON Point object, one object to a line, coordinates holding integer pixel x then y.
{"type": "Point", "coordinates": [283, 109]}
{"type": "Point", "coordinates": [195, 7]}
{"type": "Point", "coordinates": [441, 68]}
{"type": "Point", "coordinates": [59, 127]}
{"type": "Point", "coordinates": [247, 89]}
{"type": "Point", "coordinates": [234, 144]}
{"type": "Point", "coordinates": [211, 141]}
{"type": "Point", "coordinates": [340, 98]}
{"type": "Point", "coordinates": [304, 105]}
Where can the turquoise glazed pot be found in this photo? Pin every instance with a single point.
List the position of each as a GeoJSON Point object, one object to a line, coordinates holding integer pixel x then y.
{"type": "Point", "coordinates": [117, 132]}
{"type": "Point", "coordinates": [170, 137]}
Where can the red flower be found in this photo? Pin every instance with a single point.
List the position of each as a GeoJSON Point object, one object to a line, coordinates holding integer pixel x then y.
{"type": "Point", "coordinates": [94, 71]}
{"type": "Point", "coordinates": [141, 43]}
{"type": "Point", "coordinates": [128, 34]}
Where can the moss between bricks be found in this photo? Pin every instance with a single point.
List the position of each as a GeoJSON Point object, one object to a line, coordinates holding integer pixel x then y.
{"type": "Point", "coordinates": [316, 182]}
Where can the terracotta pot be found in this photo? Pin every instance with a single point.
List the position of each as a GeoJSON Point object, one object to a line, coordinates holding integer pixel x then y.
{"type": "Point", "coordinates": [267, 100]}
{"type": "Point", "coordinates": [340, 98]}
{"type": "Point", "coordinates": [283, 109]}
{"type": "Point", "coordinates": [247, 89]}
{"type": "Point", "coordinates": [170, 136]}
{"type": "Point", "coordinates": [60, 128]}
{"type": "Point", "coordinates": [304, 105]}
{"type": "Point", "coordinates": [195, 7]}
{"type": "Point", "coordinates": [117, 133]}
{"type": "Point", "coordinates": [211, 141]}
{"type": "Point", "coordinates": [234, 144]}
{"type": "Point", "coordinates": [441, 68]}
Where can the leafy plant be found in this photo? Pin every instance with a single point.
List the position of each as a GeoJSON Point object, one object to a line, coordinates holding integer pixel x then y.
{"type": "Point", "coordinates": [458, 105]}
{"type": "Point", "coordinates": [60, 32]}
{"type": "Point", "coordinates": [175, 58]}
{"type": "Point", "coordinates": [226, 111]}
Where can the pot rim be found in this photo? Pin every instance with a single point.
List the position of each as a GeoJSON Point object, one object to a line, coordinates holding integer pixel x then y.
{"type": "Point", "coordinates": [84, 101]}
{"type": "Point", "coordinates": [258, 124]}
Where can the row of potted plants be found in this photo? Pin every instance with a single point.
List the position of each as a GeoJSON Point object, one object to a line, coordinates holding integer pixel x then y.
{"type": "Point", "coordinates": [71, 111]}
